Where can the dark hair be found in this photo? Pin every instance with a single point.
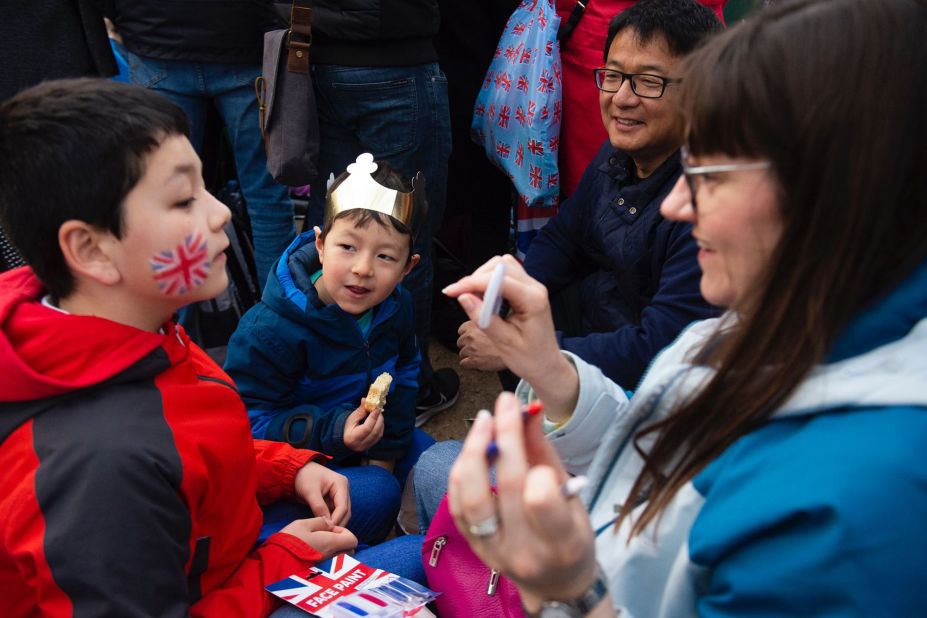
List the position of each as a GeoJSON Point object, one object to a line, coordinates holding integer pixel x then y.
{"type": "Point", "coordinates": [683, 23]}
{"type": "Point", "coordinates": [833, 93]}
{"type": "Point", "coordinates": [389, 177]}
{"type": "Point", "coordinates": [73, 149]}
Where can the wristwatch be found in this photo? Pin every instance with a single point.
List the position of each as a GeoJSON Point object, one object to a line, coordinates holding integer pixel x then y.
{"type": "Point", "coordinates": [578, 607]}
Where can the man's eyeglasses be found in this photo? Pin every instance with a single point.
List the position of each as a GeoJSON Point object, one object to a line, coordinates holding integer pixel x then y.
{"type": "Point", "coordinates": [643, 85]}
{"type": "Point", "coordinates": [693, 173]}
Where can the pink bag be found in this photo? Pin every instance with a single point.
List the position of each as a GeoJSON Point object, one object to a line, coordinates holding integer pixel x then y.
{"type": "Point", "coordinates": [467, 586]}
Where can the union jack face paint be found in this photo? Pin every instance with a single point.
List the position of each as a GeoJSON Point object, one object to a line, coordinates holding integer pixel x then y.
{"type": "Point", "coordinates": [183, 269]}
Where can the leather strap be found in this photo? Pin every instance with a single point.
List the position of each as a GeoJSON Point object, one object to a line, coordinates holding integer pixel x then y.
{"type": "Point", "coordinates": [567, 27]}
{"type": "Point", "coordinates": [299, 38]}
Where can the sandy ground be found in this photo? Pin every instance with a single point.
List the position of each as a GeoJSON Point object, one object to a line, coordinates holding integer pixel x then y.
{"type": "Point", "coordinates": [477, 390]}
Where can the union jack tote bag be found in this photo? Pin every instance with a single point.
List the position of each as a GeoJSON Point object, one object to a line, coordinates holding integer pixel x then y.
{"type": "Point", "coordinates": [517, 113]}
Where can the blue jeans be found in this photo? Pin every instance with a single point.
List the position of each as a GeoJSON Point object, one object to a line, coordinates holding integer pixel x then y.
{"type": "Point", "coordinates": [231, 87]}
{"type": "Point", "coordinates": [400, 115]}
{"type": "Point", "coordinates": [430, 479]}
{"type": "Point", "coordinates": [375, 497]}
{"type": "Point", "coordinates": [401, 556]}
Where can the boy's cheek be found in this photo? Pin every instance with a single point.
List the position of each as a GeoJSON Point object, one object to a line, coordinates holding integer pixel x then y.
{"type": "Point", "coordinates": [183, 268]}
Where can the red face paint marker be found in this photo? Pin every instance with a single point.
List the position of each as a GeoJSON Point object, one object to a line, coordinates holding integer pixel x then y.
{"type": "Point", "coordinates": [527, 411]}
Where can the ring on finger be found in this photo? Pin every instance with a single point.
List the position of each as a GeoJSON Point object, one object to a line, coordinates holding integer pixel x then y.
{"type": "Point", "coordinates": [485, 528]}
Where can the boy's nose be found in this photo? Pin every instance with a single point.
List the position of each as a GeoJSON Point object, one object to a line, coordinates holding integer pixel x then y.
{"type": "Point", "coordinates": [219, 213]}
{"type": "Point", "coordinates": [363, 266]}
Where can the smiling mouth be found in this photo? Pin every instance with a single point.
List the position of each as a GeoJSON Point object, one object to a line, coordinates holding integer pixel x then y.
{"type": "Point", "coordinates": [627, 122]}
{"type": "Point", "coordinates": [356, 289]}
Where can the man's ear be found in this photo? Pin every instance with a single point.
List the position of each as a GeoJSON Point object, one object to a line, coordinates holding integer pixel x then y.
{"type": "Point", "coordinates": [411, 264]}
{"type": "Point", "coordinates": [318, 241]}
{"type": "Point", "coordinates": [87, 251]}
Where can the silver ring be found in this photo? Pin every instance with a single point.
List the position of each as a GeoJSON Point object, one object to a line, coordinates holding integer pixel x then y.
{"type": "Point", "coordinates": [485, 528]}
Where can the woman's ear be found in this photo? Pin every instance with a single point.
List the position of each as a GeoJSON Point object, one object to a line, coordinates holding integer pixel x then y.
{"type": "Point", "coordinates": [88, 252]}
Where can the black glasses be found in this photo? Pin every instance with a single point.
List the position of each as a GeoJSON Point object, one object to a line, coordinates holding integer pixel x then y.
{"type": "Point", "coordinates": [643, 85]}
{"type": "Point", "coordinates": [693, 173]}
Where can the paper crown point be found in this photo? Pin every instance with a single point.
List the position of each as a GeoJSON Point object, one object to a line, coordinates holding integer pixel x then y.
{"type": "Point", "coordinates": [360, 190]}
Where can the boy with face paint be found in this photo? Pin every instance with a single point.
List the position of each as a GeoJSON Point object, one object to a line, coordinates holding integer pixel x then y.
{"type": "Point", "coordinates": [333, 318]}
{"type": "Point", "coordinates": [131, 484]}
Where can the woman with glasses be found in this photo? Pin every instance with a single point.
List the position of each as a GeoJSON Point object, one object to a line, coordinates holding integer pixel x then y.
{"type": "Point", "coordinates": [771, 460]}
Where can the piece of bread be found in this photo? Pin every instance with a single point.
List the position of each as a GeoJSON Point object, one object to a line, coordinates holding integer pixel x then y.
{"type": "Point", "coordinates": [376, 396]}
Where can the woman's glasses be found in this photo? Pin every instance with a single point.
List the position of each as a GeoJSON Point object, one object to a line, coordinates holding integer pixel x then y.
{"type": "Point", "coordinates": [693, 173]}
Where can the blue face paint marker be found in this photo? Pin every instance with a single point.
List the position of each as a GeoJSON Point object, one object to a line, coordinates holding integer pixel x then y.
{"type": "Point", "coordinates": [351, 608]}
{"type": "Point", "coordinates": [527, 411]}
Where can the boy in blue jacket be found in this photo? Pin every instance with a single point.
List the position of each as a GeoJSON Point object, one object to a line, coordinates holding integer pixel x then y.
{"type": "Point", "coordinates": [333, 318]}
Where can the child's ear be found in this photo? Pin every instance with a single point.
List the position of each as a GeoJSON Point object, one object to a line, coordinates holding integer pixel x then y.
{"type": "Point", "coordinates": [411, 264]}
{"type": "Point", "coordinates": [318, 241]}
{"type": "Point", "coordinates": [86, 251]}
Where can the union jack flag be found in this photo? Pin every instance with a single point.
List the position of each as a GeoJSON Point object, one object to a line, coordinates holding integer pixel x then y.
{"type": "Point", "coordinates": [532, 106]}
{"type": "Point", "coordinates": [519, 29]}
{"type": "Point", "coordinates": [522, 84]}
{"type": "Point", "coordinates": [525, 56]}
{"type": "Point", "coordinates": [542, 19]}
{"type": "Point", "coordinates": [480, 110]}
{"type": "Point", "coordinates": [545, 112]}
{"type": "Point", "coordinates": [536, 147]}
{"type": "Point", "coordinates": [520, 115]}
{"type": "Point", "coordinates": [554, 143]}
{"type": "Point", "coordinates": [557, 73]}
{"type": "Point", "coordinates": [504, 81]}
{"type": "Point", "coordinates": [184, 268]}
{"type": "Point", "coordinates": [535, 176]}
{"type": "Point", "coordinates": [558, 110]}
{"type": "Point", "coordinates": [487, 81]}
{"type": "Point", "coordinates": [492, 111]}
{"type": "Point", "coordinates": [549, 48]}
{"type": "Point", "coordinates": [510, 54]}
{"type": "Point", "coordinates": [520, 155]}
{"type": "Point", "coordinates": [504, 116]}
{"type": "Point", "coordinates": [545, 82]}
{"type": "Point", "coordinates": [503, 150]}
{"type": "Point", "coordinates": [553, 179]}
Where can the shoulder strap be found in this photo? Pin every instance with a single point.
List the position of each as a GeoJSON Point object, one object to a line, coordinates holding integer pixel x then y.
{"type": "Point", "coordinates": [567, 27]}
{"type": "Point", "coordinates": [299, 38]}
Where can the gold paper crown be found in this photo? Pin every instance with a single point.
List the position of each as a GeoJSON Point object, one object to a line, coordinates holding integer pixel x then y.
{"type": "Point", "coordinates": [358, 189]}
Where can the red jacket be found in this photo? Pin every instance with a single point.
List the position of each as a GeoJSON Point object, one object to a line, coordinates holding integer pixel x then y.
{"type": "Point", "coordinates": [581, 129]}
{"type": "Point", "coordinates": [129, 481]}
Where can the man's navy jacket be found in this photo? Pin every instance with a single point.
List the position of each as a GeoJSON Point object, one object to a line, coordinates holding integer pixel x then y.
{"type": "Point", "coordinates": [638, 273]}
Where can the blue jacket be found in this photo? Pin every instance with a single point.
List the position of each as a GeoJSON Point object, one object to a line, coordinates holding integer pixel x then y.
{"type": "Point", "coordinates": [638, 273]}
{"type": "Point", "coordinates": [302, 367]}
{"type": "Point", "coordinates": [819, 511]}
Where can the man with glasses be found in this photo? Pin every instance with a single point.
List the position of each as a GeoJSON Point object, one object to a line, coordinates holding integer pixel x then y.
{"type": "Point", "coordinates": [622, 280]}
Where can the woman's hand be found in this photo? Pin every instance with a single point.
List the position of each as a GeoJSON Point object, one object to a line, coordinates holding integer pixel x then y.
{"type": "Point", "coordinates": [525, 339]}
{"type": "Point", "coordinates": [540, 534]}
{"type": "Point", "coordinates": [325, 491]}
{"type": "Point", "coordinates": [322, 535]}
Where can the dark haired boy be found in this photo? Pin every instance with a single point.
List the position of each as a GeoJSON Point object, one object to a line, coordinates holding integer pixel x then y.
{"type": "Point", "coordinates": [623, 281]}
{"type": "Point", "coordinates": [130, 483]}
{"type": "Point", "coordinates": [333, 318]}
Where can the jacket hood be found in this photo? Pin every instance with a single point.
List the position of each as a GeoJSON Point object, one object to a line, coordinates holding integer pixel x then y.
{"type": "Point", "coordinates": [290, 292]}
{"type": "Point", "coordinates": [45, 352]}
{"type": "Point", "coordinates": [880, 359]}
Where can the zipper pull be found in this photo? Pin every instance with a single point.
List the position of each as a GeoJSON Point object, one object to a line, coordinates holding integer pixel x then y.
{"type": "Point", "coordinates": [493, 582]}
{"type": "Point", "coordinates": [436, 550]}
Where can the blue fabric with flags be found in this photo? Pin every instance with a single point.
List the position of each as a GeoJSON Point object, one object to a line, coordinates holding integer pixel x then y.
{"type": "Point", "coordinates": [518, 110]}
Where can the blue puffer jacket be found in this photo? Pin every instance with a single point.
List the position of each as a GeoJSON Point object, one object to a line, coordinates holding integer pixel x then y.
{"type": "Point", "coordinates": [638, 273]}
{"type": "Point", "coordinates": [302, 367]}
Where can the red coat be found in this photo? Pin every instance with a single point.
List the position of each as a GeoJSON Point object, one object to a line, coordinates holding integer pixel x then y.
{"type": "Point", "coordinates": [581, 129]}
{"type": "Point", "coordinates": [129, 481]}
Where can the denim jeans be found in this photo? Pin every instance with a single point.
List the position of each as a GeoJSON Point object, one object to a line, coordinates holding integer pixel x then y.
{"type": "Point", "coordinates": [400, 115]}
{"type": "Point", "coordinates": [430, 479]}
{"type": "Point", "coordinates": [231, 87]}
{"type": "Point", "coordinates": [375, 497]}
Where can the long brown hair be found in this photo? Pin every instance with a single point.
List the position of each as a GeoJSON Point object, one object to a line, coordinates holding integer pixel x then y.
{"type": "Point", "coordinates": [834, 94]}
